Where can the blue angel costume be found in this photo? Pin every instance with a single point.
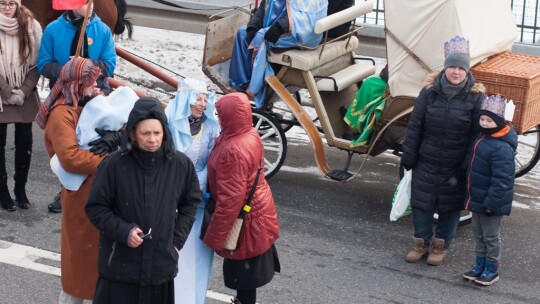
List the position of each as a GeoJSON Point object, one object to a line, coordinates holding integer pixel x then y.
{"type": "Point", "coordinates": [284, 24]}
{"type": "Point", "coordinates": [195, 258]}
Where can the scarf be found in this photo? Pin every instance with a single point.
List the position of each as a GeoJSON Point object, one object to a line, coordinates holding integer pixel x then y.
{"type": "Point", "coordinates": [196, 123]}
{"type": "Point", "coordinates": [11, 66]}
{"type": "Point", "coordinates": [77, 23]}
{"type": "Point", "coordinates": [450, 90]}
{"type": "Point", "coordinates": [76, 75]}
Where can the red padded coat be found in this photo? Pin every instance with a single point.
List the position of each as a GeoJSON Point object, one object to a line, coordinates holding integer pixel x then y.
{"type": "Point", "coordinates": [232, 168]}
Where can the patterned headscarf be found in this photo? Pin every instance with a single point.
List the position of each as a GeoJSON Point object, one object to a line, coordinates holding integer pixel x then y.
{"type": "Point", "coordinates": [76, 75]}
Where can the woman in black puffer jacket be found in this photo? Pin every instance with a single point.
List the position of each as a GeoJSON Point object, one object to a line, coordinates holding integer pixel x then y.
{"type": "Point", "coordinates": [439, 134]}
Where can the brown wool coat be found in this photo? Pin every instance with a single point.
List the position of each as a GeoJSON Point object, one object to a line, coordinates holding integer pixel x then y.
{"type": "Point", "coordinates": [79, 238]}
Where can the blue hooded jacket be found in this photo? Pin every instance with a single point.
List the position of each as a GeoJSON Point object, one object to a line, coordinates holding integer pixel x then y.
{"type": "Point", "coordinates": [491, 171]}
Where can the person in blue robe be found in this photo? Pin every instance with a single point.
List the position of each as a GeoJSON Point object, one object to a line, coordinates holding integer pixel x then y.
{"type": "Point", "coordinates": [275, 24]}
{"type": "Point", "coordinates": [194, 128]}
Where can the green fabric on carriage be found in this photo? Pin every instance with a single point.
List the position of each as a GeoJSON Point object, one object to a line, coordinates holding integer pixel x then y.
{"type": "Point", "coordinates": [368, 120]}
{"type": "Point", "coordinates": [365, 110]}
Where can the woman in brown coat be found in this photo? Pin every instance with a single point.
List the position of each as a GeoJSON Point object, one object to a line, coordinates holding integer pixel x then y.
{"type": "Point", "coordinates": [20, 37]}
{"type": "Point", "coordinates": [232, 170]}
{"type": "Point", "coordinates": [58, 116]}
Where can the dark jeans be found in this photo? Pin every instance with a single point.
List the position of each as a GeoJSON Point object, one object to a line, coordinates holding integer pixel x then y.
{"type": "Point", "coordinates": [445, 229]}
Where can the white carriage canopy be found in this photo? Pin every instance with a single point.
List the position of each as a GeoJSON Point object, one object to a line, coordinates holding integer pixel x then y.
{"type": "Point", "coordinates": [424, 26]}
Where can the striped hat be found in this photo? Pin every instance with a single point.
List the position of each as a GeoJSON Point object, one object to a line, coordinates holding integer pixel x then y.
{"type": "Point", "coordinates": [76, 75]}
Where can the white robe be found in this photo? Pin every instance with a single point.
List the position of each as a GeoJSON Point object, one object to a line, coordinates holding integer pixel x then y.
{"type": "Point", "coordinates": [195, 258]}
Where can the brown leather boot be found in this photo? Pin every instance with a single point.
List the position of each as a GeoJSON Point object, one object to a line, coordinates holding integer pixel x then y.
{"type": "Point", "coordinates": [419, 251]}
{"type": "Point", "coordinates": [437, 252]}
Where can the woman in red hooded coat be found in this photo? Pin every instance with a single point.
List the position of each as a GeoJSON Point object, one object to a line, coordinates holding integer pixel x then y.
{"type": "Point", "coordinates": [232, 169]}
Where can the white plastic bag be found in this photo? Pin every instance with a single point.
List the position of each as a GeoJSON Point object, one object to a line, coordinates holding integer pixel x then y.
{"type": "Point", "coordinates": [401, 203]}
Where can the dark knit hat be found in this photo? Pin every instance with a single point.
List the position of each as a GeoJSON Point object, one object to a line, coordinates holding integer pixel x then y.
{"type": "Point", "coordinates": [456, 53]}
{"type": "Point", "coordinates": [494, 106]}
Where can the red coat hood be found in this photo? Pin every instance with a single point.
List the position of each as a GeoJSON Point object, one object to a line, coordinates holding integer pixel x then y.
{"type": "Point", "coordinates": [234, 111]}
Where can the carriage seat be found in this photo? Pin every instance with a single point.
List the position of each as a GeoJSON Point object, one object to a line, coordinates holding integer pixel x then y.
{"type": "Point", "coordinates": [306, 60]}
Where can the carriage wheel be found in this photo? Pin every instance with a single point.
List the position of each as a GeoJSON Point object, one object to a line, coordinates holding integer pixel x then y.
{"type": "Point", "coordinates": [274, 141]}
{"type": "Point", "coordinates": [527, 153]}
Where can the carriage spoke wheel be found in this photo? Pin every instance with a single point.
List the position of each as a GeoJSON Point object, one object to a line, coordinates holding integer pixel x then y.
{"type": "Point", "coordinates": [274, 141]}
{"type": "Point", "coordinates": [527, 153]}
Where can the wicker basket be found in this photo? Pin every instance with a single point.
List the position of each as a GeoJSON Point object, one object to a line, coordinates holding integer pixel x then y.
{"type": "Point", "coordinates": [516, 77]}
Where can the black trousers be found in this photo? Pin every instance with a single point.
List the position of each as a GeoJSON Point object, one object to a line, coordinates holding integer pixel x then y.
{"type": "Point", "coordinates": [23, 152]}
{"type": "Point", "coordinates": [115, 292]}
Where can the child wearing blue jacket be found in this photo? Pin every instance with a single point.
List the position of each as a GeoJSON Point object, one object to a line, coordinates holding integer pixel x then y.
{"type": "Point", "coordinates": [490, 187]}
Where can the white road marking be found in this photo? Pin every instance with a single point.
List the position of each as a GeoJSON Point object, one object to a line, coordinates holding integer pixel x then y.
{"type": "Point", "coordinates": [26, 257]}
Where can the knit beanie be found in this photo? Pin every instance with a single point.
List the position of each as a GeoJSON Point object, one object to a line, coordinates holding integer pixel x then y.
{"type": "Point", "coordinates": [456, 53]}
{"type": "Point", "coordinates": [494, 106]}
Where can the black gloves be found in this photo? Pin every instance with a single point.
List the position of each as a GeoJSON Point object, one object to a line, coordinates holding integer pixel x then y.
{"type": "Point", "coordinates": [107, 143]}
{"type": "Point", "coordinates": [273, 33]}
{"type": "Point", "coordinates": [488, 212]}
{"type": "Point", "coordinates": [406, 166]}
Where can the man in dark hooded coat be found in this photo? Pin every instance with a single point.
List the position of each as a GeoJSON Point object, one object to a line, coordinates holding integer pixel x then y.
{"type": "Point", "coordinates": [143, 201]}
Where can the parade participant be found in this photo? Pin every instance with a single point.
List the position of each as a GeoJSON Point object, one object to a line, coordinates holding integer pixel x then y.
{"type": "Point", "coordinates": [59, 44]}
{"type": "Point", "coordinates": [143, 201]}
{"type": "Point", "coordinates": [194, 129]}
{"type": "Point", "coordinates": [441, 127]}
{"type": "Point", "coordinates": [20, 37]}
{"type": "Point", "coordinates": [490, 188]}
{"type": "Point", "coordinates": [232, 174]}
{"type": "Point", "coordinates": [272, 23]}
{"type": "Point", "coordinates": [58, 116]}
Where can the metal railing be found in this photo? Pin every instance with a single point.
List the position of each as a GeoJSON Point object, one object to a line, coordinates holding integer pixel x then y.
{"type": "Point", "coordinates": [526, 14]}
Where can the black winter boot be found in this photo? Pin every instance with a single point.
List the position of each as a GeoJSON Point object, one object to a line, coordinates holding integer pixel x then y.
{"type": "Point", "coordinates": [23, 156]}
{"type": "Point", "coordinates": [5, 197]}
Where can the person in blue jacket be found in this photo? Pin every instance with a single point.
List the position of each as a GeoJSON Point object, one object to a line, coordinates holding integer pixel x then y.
{"type": "Point", "coordinates": [194, 128]}
{"type": "Point", "coordinates": [59, 43]}
{"type": "Point", "coordinates": [490, 188]}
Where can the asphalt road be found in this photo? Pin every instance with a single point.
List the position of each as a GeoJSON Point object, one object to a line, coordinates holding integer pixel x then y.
{"type": "Point", "coordinates": [337, 244]}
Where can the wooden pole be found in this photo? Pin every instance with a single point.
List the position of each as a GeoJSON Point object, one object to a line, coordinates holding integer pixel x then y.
{"type": "Point", "coordinates": [83, 28]}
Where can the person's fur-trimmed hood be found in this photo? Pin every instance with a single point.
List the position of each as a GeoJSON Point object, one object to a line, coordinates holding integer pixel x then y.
{"type": "Point", "coordinates": [477, 87]}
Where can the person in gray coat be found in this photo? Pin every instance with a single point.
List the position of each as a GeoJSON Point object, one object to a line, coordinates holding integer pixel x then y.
{"type": "Point", "coordinates": [441, 127]}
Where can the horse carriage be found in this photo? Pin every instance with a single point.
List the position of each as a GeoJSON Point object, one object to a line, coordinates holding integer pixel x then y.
{"type": "Point", "coordinates": [331, 74]}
